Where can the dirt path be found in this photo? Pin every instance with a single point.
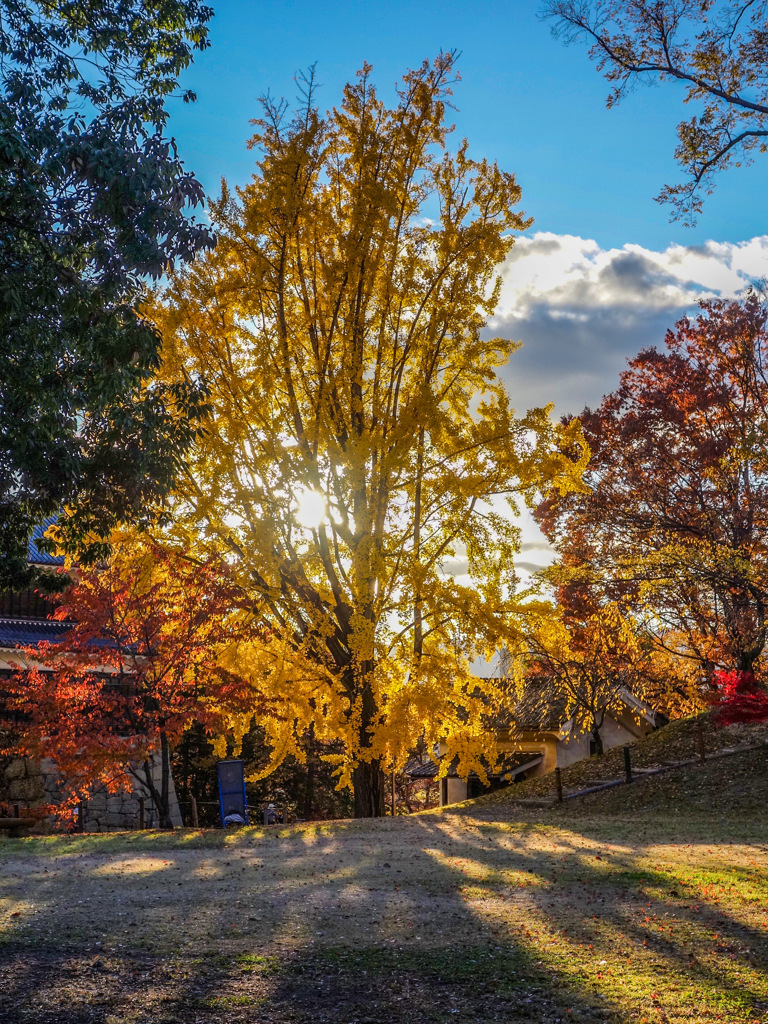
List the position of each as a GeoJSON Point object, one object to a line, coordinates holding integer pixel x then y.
{"type": "Point", "coordinates": [432, 918]}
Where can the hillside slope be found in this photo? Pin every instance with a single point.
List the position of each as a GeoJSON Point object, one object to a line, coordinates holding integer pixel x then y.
{"type": "Point", "coordinates": [732, 786]}
{"type": "Point", "coordinates": [673, 743]}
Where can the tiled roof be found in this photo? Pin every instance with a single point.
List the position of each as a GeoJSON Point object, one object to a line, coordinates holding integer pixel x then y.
{"type": "Point", "coordinates": [29, 632]}
{"type": "Point", "coordinates": [511, 765]}
{"type": "Point", "coordinates": [420, 768]}
{"type": "Point", "coordinates": [34, 554]}
{"type": "Point", "coordinates": [538, 708]}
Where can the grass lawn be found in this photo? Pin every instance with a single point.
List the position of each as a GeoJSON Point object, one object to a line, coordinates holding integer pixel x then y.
{"type": "Point", "coordinates": [472, 916]}
{"type": "Point", "coordinates": [677, 741]}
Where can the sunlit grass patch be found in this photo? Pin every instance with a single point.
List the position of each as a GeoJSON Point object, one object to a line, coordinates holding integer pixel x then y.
{"type": "Point", "coordinates": [225, 1001]}
{"type": "Point", "coordinates": [423, 920]}
{"type": "Point", "coordinates": [255, 962]}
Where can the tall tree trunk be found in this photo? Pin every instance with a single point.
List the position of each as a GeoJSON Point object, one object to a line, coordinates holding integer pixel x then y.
{"type": "Point", "coordinates": [368, 780]}
{"type": "Point", "coordinates": [164, 810]}
{"type": "Point", "coordinates": [369, 783]}
{"type": "Point", "coordinates": [746, 626]}
{"type": "Point", "coordinates": [310, 790]}
{"type": "Point", "coordinates": [745, 660]}
{"type": "Point", "coordinates": [161, 796]}
{"type": "Point", "coordinates": [597, 739]}
{"type": "Point", "coordinates": [418, 622]}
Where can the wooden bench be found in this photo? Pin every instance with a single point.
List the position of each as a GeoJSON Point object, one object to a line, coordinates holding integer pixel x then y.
{"type": "Point", "coordinates": [16, 826]}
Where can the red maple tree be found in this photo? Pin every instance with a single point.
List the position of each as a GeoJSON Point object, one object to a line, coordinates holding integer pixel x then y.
{"type": "Point", "coordinates": [740, 698]}
{"type": "Point", "coordinates": [675, 518]}
{"type": "Point", "coordinates": [141, 663]}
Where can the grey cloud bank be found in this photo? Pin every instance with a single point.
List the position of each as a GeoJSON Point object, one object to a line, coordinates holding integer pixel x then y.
{"type": "Point", "coordinates": [582, 311]}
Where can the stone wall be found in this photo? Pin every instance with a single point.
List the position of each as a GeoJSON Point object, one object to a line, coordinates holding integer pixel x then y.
{"type": "Point", "coordinates": [30, 784]}
{"type": "Point", "coordinates": [22, 783]}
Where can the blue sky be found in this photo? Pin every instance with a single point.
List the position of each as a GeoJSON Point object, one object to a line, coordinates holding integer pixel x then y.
{"type": "Point", "coordinates": [602, 272]}
{"type": "Point", "coordinates": [525, 100]}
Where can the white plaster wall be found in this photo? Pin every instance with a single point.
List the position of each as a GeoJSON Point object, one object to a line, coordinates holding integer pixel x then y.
{"type": "Point", "coordinates": [457, 790]}
{"type": "Point", "coordinates": [635, 726]}
{"type": "Point", "coordinates": [572, 749]}
{"type": "Point", "coordinates": [613, 734]}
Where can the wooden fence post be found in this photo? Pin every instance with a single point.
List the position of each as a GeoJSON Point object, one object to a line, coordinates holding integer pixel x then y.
{"type": "Point", "coordinates": [627, 765]}
{"type": "Point", "coordinates": [193, 811]}
{"type": "Point", "coordinates": [559, 785]}
{"type": "Point", "coordinates": [393, 794]}
{"type": "Point", "coordinates": [81, 816]}
{"type": "Point", "coordinates": [700, 742]}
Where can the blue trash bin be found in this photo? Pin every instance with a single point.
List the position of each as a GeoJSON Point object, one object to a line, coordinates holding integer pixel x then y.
{"type": "Point", "coordinates": [233, 802]}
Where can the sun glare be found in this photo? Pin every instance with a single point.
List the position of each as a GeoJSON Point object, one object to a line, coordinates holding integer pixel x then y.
{"type": "Point", "coordinates": [311, 509]}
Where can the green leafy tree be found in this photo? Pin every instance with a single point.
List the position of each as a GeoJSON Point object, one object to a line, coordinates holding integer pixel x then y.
{"type": "Point", "coordinates": [93, 200]}
{"type": "Point", "coordinates": [716, 49]}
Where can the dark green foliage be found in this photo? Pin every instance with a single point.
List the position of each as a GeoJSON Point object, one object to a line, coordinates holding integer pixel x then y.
{"type": "Point", "coordinates": [193, 765]}
{"type": "Point", "coordinates": [93, 200]}
{"type": "Point", "coordinates": [305, 790]}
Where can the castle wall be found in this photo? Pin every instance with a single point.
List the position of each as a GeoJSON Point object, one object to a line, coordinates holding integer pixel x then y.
{"type": "Point", "coordinates": [31, 784]}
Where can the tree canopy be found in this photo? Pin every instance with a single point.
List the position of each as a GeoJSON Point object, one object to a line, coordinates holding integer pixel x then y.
{"type": "Point", "coordinates": [361, 451]}
{"type": "Point", "coordinates": [676, 515]}
{"type": "Point", "coordinates": [717, 50]}
{"type": "Point", "coordinates": [93, 200]}
{"type": "Point", "coordinates": [589, 659]}
{"type": "Point", "coordinates": [141, 663]}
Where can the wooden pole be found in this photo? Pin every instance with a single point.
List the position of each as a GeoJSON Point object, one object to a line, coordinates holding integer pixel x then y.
{"type": "Point", "coordinates": [627, 765]}
{"type": "Point", "coordinates": [81, 817]}
{"type": "Point", "coordinates": [193, 811]}
{"type": "Point", "coordinates": [559, 785]}
{"type": "Point", "coordinates": [141, 812]}
{"type": "Point", "coordinates": [701, 744]}
{"type": "Point", "coordinates": [310, 791]}
{"type": "Point", "coordinates": [393, 794]}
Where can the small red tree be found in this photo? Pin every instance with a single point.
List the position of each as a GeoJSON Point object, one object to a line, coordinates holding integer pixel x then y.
{"type": "Point", "coordinates": [740, 698]}
{"type": "Point", "coordinates": [140, 664]}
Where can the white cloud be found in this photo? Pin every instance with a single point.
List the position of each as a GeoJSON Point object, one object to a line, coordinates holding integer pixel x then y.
{"type": "Point", "coordinates": [582, 311]}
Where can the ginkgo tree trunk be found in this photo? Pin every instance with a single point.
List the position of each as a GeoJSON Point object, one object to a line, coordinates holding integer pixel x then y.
{"type": "Point", "coordinates": [361, 448]}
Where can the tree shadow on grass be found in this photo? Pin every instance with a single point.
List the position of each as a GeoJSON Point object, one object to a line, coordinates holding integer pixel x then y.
{"type": "Point", "coordinates": [435, 918]}
{"type": "Point", "coordinates": [649, 936]}
{"type": "Point", "coordinates": [319, 926]}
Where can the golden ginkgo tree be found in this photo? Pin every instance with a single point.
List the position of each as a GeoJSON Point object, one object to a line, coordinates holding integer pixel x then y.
{"type": "Point", "coordinates": [361, 454]}
{"type": "Point", "coordinates": [588, 662]}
